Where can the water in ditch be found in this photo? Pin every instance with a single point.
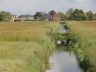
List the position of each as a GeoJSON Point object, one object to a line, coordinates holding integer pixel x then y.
{"type": "Point", "coordinates": [63, 62]}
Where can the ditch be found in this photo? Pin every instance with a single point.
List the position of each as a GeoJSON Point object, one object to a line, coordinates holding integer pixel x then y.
{"type": "Point", "coordinates": [67, 57]}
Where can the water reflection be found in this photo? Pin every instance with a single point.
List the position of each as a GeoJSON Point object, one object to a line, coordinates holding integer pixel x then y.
{"type": "Point", "coordinates": [63, 62]}
{"type": "Point", "coordinates": [62, 29]}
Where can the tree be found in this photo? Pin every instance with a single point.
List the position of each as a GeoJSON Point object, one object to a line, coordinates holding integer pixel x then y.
{"type": "Point", "coordinates": [78, 14]}
{"type": "Point", "coordinates": [62, 16]}
{"type": "Point", "coordinates": [95, 16]}
{"type": "Point", "coordinates": [5, 16]}
{"type": "Point", "coordinates": [52, 12]}
{"type": "Point", "coordinates": [90, 15]}
{"type": "Point", "coordinates": [82, 15]}
{"type": "Point", "coordinates": [38, 14]}
{"type": "Point", "coordinates": [70, 11]}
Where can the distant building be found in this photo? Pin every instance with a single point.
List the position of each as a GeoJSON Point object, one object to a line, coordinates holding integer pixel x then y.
{"type": "Point", "coordinates": [44, 17]}
{"type": "Point", "coordinates": [15, 18]}
{"type": "Point", "coordinates": [47, 17]}
{"type": "Point", "coordinates": [26, 17]}
{"type": "Point", "coordinates": [56, 17]}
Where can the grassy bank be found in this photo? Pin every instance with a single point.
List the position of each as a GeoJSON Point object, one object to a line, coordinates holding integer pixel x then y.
{"type": "Point", "coordinates": [86, 31]}
{"type": "Point", "coordinates": [80, 44]}
{"type": "Point", "coordinates": [24, 46]}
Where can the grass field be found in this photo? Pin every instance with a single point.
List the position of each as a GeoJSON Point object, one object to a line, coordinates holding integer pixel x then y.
{"type": "Point", "coordinates": [19, 41]}
{"type": "Point", "coordinates": [86, 30]}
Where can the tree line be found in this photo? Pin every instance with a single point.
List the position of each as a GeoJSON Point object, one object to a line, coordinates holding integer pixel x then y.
{"type": "Point", "coordinates": [71, 14]}
{"type": "Point", "coordinates": [5, 16]}
{"type": "Point", "coordinates": [79, 14]}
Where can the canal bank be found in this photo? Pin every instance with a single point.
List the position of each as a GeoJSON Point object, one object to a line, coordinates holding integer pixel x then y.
{"type": "Point", "coordinates": [63, 60]}
{"type": "Point", "coordinates": [69, 42]}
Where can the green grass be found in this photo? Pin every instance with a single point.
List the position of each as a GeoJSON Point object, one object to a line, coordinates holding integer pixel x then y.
{"type": "Point", "coordinates": [24, 45]}
{"type": "Point", "coordinates": [86, 30]}
{"type": "Point", "coordinates": [19, 42]}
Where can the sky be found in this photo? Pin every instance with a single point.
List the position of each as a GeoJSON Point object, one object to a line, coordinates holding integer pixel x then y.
{"type": "Point", "coordinates": [31, 6]}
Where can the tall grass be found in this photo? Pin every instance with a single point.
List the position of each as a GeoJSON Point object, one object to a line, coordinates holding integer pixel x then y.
{"type": "Point", "coordinates": [86, 31]}
{"type": "Point", "coordinates": [26, 46]}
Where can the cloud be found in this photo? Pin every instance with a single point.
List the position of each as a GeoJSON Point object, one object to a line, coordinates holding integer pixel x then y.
{"type": "Point", "coordinates": [20, 5]}
{"type": "Point", "coordinates": [31, 6]}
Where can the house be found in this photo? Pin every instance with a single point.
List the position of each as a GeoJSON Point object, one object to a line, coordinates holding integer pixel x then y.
{"type": "Point", "coordinates": [47, 17]}
{"type": "Point", "coordinates": [26, 17]}
{"type": "Point", "coordinates": [56, 17]}
{"type": "Point", "coordinates": [15, 18]}
{"type": "Point", "coordinates": [44, 17]}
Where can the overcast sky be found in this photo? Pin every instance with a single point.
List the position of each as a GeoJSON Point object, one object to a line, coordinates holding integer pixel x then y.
{"type": "Point", "coordinates": [32, 6]}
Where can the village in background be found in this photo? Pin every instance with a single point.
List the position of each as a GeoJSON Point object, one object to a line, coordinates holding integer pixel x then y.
{"type": "Point", "coordinates": [71, 14]}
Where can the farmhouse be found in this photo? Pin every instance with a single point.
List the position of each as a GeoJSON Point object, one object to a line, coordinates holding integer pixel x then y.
{"type": "Point", "coordinates": [26, 17]}
{"type": "Point", "coordinates": [44, 17]}
{"type": "Point", "coordinates": [56, 17]}
{"type": "Point", "coordinates": [15, 18]}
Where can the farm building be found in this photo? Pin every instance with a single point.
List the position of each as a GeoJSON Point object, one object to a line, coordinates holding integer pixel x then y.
{"type": "Point", "coordinates": [56, 17]}
{"type": "Point", "coordinates": [26, 17]}
{"type": "Point", "coordinates": [44, 17]}
{"type": "Point", "coordinates": [15, 18]}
